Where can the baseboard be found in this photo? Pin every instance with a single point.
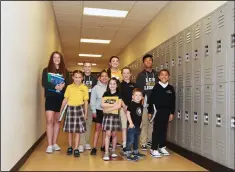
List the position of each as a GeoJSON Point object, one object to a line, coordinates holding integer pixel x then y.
{"type": "Point", "coordinates": [21, 162]}
{"type": "Point", "coordinates": [198, 159]}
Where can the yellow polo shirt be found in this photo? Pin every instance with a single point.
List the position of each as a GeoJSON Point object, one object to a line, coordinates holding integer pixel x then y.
{"type": "Point", "coordinates": [76, 94]}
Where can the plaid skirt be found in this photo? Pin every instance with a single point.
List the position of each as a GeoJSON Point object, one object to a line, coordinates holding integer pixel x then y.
{"type": "Point", "coordinates": [111, 123]}
{"type": "Point", "coordinates": [74, 120]}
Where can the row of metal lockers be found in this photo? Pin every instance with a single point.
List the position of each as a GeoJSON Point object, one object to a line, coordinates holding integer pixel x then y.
{"type": "Point", "coordinates": [201, 63]}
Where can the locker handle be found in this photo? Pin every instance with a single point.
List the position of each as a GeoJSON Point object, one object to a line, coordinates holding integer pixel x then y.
{"type": "Point", "coordinates": [206, 51]}
{"type": "Point", "coordinates": [186, 116]}
{"type": "Point", "coordinates": [179, 114]}
{"type": "Point", "coordinates": [233, 122]}
{"type": "Point", "coordinates": [218, 120]}
{"type": "Point", "coordinates": [187, 57]}
{"type": "Point", "coordinates": [218, 46]}
{"type": "Point", "coordinates": [196, 54]}
{"type": "Point", "coordinates": [206, 118]}
{"type": "Point", "coordinates": [173, 62]}
{"type": "Point", "coordinates": [232, 40]}
{"type": "Point", "coordinates": [179, 60]}
{"type": "Point", "coordinates": [166, 64]}
{"type": "Point", "coordinates": [195, 119]}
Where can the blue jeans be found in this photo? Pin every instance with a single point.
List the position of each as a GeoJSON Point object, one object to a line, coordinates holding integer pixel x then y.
{"type": "Point", "coordinates": [132, 138]}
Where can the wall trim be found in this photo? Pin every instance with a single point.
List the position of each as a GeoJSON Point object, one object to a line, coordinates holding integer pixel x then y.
{"type": "Point", "coordinates": [21, 162]}
{"type": "Point", "coordinates": [198, 159]}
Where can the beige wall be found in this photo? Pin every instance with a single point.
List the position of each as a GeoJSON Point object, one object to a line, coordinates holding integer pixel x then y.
{"type": "Point", "coordinates": [174, 17]}
{"type": "Point", "coordinates": [29, 35]}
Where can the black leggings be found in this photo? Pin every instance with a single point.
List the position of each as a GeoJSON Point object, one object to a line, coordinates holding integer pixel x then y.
{"type": "Point", "coordinates": [159, 133]}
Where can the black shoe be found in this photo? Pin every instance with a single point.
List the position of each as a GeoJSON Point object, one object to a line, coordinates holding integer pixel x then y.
{"type": "Point", "coordinates": [102, 149]}
{"type": "Point", "coordinates": [93, 151]}
{"type": "Point", "coordinates": [124, 151]}
{"type": "Point", "coordinates": [149, 144]}
{"type": "Point", "coordinates": [132, 158]}
{"type": "Point", "coordinates": [119, 145]}
{"type": "Point", "coordinates": [76, 153]}
{"type": "Point", "coordinates": [70, 151]}
{"type": "Point", "coordinates": [144, 147]}
{"type": "Point", "coordinates": [140, 155]}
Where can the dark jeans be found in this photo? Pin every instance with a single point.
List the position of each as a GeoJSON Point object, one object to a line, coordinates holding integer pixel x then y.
{"type": "Point", "coordinates": [132, 138]}
{"type": "Point", "coordinates": [159, 133]}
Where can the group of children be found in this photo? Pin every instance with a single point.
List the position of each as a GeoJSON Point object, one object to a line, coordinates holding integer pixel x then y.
{"type": "Point", "coordinates": [117, 104]}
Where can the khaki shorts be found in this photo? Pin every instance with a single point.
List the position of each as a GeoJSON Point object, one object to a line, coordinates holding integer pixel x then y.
{"type": "Point", "coordinates": [123, 118]}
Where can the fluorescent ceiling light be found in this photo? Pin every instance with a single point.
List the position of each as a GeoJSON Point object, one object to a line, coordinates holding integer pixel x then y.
{"type": "Point", "coordinates": [104, 12]}
{"type": "Point", "coordinates": [99, 41]}
{"type": "Point", "coordinates": [81, 64]}
{"type": "Point", "coordinates": [90, 55]}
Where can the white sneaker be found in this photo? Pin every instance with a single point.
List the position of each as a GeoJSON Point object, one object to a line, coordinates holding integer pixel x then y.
{"type": "Point", "coordinates": [155, 154]}
{"type": "Point", "coordinates": [106, 156]}
{"type": "Point", "coordinates": [81, 148]}
{"type": "Point", "coordinates": [114, 155]}
{"type": "Point", "coordinates": [164, 151]}
{"type": "Point", "coordinates": [49, 149]}
{"type": "Point", "coordinates": [56, 147]}
{"type": "Point", "coordinates": [88, 146]}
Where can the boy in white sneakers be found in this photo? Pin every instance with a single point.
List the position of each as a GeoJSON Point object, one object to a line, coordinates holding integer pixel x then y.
{"type": "Point", "coordinates": [163, 98]}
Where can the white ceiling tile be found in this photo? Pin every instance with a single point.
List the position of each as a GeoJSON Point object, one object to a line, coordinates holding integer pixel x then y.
{"type": "Point", "coordinates": [102, 20]}
{"type": "Point", "coordinates": [126, 33]}
{"type": "Point", "coordinates": [68, 9]}
{"type": "Point", "coordinates": [97, 24]}
{"type": "Point", "coordinates": [133, 23]}
{"type": "Point", "coordinates": [69, 17]}
{"type": "Point", "coordinates": [114, 5]}
{"type": "Point", "coordinates": [160, 3]}
{"type": "Point", "coordinates": [67, 3]}
{"type": "Point", "coordinates": [144, 11]}
{"type": "Point", "coordinates": [87, 48]}
{"type": "Point", "coordinates": [98, 32]}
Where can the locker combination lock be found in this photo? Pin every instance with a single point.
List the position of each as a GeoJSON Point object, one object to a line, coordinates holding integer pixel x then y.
{"type": "Point", "coordinates": [206, 118]}
{"type": "Point", "coordinates": [206, 51]}
{"type": "Point", "coordinates": [186, 116]}
{"type": "Point", "coordinates": [178, 114]}
{"type": "Point", "coordinates": [173, 62]}
{"type": "Point", "coordinates": [195, 54]}
{"type": "Point", "coordinates": [187, 57]}
{"type": "Point", "coordinates": [161, 66]}
{"type": "Point", "coordinates": [233, 122]}
{"type": "Point", "coordinates": [195, 117]}
{"type": "Point", "coordinates": [233, 40]}
{"type": "Point", "coordinates": [179, 60]}
{"type": "Point", "coordinates": [218, 120]}
{"type": "Point", "coordinates": [218, 46]}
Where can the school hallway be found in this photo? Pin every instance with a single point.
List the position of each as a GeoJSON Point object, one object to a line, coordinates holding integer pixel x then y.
{"type": "Point", "coordinates": [193, 40]}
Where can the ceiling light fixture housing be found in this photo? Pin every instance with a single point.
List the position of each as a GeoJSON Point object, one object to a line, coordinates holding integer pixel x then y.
{"type": "Point", "coordinates": [90, 55]}
{"type": "Point", "coordinates": [104, 12]}
{"type": "Point", "coordinates": [97, 41]}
